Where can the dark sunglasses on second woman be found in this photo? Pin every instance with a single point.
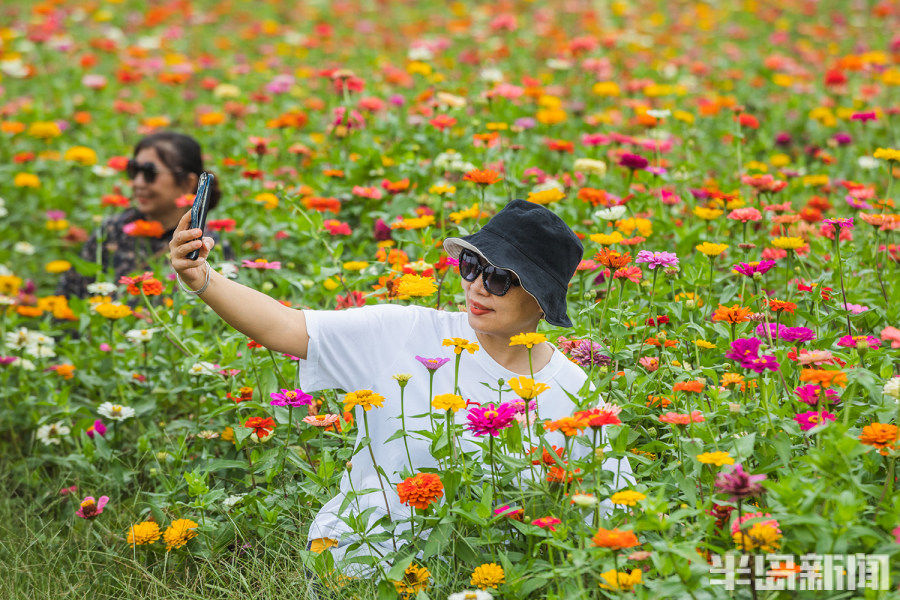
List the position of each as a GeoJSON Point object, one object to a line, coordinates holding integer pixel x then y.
{"type": "Point", "coordinates": [147, 168]}
{"type": "Point", "coordinates": [496, 281]}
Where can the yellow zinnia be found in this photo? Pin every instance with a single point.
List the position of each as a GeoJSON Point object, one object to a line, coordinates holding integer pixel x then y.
{"type": "Point", "coordinates": [415, 286]}
{"type": "Point", "coordinates": [28, 180]}
{"type": "Point", "coordinates": [143, 533]}
{"type": "Point", "coordinates": [627, 497]}
{"type": "Point", "coordinates": [788, 243]}
{"type": "Point", "coordinates": [448, 402]}
{"type": "Point", "coordinates": [529, 340]}
{"type": "Point", "coordinates": [460, 344]}
{"type": "Point", "coordinates": [111, 310]}
{"type": "Point", "coordinates": [887, 154]}
{"type": "Point", "coordinates": [365, 398]}
{"type": "Point", "coordinates": [82, 155]}
{"type": "Point", "coordinates": [488, 575]}
{"type": "Point", "coordinates": [547, 196]}
{"type": "Point", "coordinates": [57, 266]}
{"type": "Point", "coordinates": [711, 249]}
{"type": "Point", "coordinates": [526, 387]}
{"type": "Point", "coordinates": [718, 458]}
{"type": "Point", "coordinates": [619, 580]}
{"type": "Point", "coordinates": [355, 265]}
{"type": "Point", "coordinates": [606, 239]}
{"type": "Point", "coordinates": [179, 532]}
{"type": "Point", "coordinates": [707, 214]}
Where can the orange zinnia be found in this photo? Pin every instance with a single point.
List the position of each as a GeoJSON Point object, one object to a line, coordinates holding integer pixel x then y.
{"type": "Point", "coordinates": [612, 259]}
{"type": "Point", "coordinates": [482, 176]}
{"type": "Point", "coordinates": [322, 204]}
{"type": "Point", "coordinates": [615, 539]}
{"type": "Point", "coordinates": [568, 425]}
{"type": "Point", "coordinates": [880, 435]}
{"type": "Point", "coordinates": [142, 228]}
{"type": "Point", "coordinates": [689, 386]}
{"type": "Point", "coordinates": [732, 314]}
{"type": "Point", "coordinates": [421, 490]}
{"type": "Point", "coordinates": [824, 378]}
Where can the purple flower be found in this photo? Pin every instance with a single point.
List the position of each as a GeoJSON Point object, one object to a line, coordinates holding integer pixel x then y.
{"type": "Point", "coordinates": [751, 269]}
{"type": "Point", "coordinates": [587, 353]}
{"type": "Point", "coordinates": [633, 161]}
{"type": "Point", "coordinates": [519, 406]}
{"type": "Point", "coordinates": [739, 483]}
{"type": "Point", "coordinates": [382, 231]}
{"type": "Point", "coordinates": [842, 223]}
{"type": "Point", "coordinates": [743, 349]}
{"type": "Point", "coordinates": [808, 420]}
{"type": "Point", "coordinates": [7, 360]}
{"type": "Point", "coordinates": [485, 420]}
{"type": "Point", "coordinates": [761, 363]}
{"type": "Point", "coordinates": [98, 428]}
{"type": "Point", "coordinates": [809, 394]}
{"type": "Point", "coordinates": [657, 259]}
{"type": "Point", "coordinates": [292, 398]}
{"type": "Point", "coordinates": [525, 123]}
{"type": "Point", "coordinates": [432, 364]}
{"type": "Point", "coordinates": [858, 203]}
{"type": "Point", "coordinates": [798, 334]}
{"type": "Point", "coordinates": [783, 139]}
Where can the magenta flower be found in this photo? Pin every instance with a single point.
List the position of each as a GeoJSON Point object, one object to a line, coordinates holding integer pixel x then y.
{"type": "Point", "coordinates": [432, 364]}
{"type": "Point", "coordinates": [761, 363]}
{"type": "Point", "coordinates": [851, 341]}
{"type": "Point", "coordinates": [808, 420]}
{"type": "Point", "coordinates": [739, 483]}
{"type": "Point", "coordinates": [751, 269]}
{"type": "Point", "coordinates": [770, 331]}
{"type": "Point", "coordinates": [809, 394]}
{"type": "Point", "coordinates": [91, 508]}
{"type": "Point", "coordinates": [98, 428]}
{"type": "Point", "coordinates": [864, 116]}
{"type": "Point", "coordinates": [657, 259]}
{"type": "Point", "coordinates": [519, 406]}
{"type": "Point", "coordinates": [547, 523]}
{"type": "Point", "coordinates": [488, 419]}
{"type": "Point", "coordinates": [840, 223]}
{"type": "Point", "coordinates": [635, 162]}
{"type": "Point", "coordinates": [798, 334]}
{"type": "Point", "coordinates": [744, 349]}
{"type": "Point", "coordinates": [7, 360]}
{"type": "Point", "coordinates": [292, 398]}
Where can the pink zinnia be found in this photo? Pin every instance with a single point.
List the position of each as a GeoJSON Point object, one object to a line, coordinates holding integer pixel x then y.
{"type": "Point", "coordinates": [633, 161]}
{"type": "Point", "coordinates": [745, 214]}
{"type": "Point", "coordinates": [292, 398]}
{"type": "Point", "coordinates": [91, 508]}
{"type": "Point", "coordinates": [892, 334]}
{"type": "Point", "coordinates": [260, 263]}
{"type": "Point", "coordinates": [485, 420]}
{"type": "Point", "coordinates": [321, 420]}
{"type": "Point", "coordinates": [547, 523]}
{"type": "Point", "coordinates": [810, 394]}
{"type": "Point", "coordinates": [98, 428]}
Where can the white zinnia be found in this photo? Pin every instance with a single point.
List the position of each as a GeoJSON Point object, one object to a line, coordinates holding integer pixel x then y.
{"type": "Point", "coordinates": [116, 412]}
{"type": "Point", "coordinates": [232, 500]}
{"type": "Point", "coordinates": [892, 388]}
{"type": "Point", "coordinates": [471, 595]}
{"type": "Point", "coordinates": [50, 433]}
{"type": "Point", "coordinates": [590, 166]}
{"type": "Point", "coordinates": [613, 213]}
{"type": "Point", "coordinates": [203, 368]}
{"type": "Point", "coordinates": [868, 162]}
{"type": "Point", "coordinates": [139, 335]}
{"type": "Point", "coordinates": [102, 288]}
{"type": "Point", "coordinates": [24, 248]}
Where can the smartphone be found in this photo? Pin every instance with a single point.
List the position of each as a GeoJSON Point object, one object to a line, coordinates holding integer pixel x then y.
{"type": "Point", "coordinates": [200, 208]}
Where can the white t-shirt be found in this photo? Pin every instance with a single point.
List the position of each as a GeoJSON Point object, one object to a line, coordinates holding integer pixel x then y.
{"type": "Point", "coordinates": [362, 348]}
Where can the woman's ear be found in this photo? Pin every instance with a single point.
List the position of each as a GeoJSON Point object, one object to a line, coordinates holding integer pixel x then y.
{"type": "Point", "coordinates": [190, 183]}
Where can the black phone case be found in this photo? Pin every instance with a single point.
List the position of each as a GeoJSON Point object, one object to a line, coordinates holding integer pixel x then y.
{"type": "Point", "coordinates": [200, 208]}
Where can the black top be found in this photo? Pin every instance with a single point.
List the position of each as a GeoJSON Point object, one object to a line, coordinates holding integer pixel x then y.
{"type": "Point", "coordinates": [128, 255]}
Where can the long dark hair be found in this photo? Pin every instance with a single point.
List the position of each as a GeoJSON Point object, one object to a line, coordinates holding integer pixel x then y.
{"type": "Point", "coordinates": [181, 154]}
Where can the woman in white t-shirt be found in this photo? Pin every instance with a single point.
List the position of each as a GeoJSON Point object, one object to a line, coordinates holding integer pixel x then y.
{"type": "Point", "coordinates": [515, 271]}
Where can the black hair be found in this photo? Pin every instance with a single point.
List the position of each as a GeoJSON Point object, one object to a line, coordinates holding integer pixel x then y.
{"type": "Point", "coordinates": [181, 154]}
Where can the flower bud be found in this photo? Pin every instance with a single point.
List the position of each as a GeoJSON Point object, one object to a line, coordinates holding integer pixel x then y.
{"type": "Point", "coordinates": [598, 455]}
{"type": "Point", "coordinates": [349, 465]}
{"type": "Point", "coordinates": [734, 407]}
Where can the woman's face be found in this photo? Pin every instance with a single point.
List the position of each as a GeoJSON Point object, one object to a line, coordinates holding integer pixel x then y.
{"type": "Point", "coordinates": [515, 312]}
{"type": "Point", "coordinates": [157, 198]}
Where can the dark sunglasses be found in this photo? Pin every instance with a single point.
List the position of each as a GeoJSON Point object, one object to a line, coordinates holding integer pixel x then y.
{"type": "Point", "coordinates": [496, 281]}
{"type": "Point", "coordinates": [148, 169]}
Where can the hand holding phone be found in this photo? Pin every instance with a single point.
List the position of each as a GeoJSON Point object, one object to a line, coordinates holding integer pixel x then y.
{"type": "Point", "coordinates": [200, 207]}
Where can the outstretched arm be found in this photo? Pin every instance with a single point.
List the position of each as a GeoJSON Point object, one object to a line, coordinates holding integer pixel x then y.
{"type": "Point", "coordinates": [256, 315]}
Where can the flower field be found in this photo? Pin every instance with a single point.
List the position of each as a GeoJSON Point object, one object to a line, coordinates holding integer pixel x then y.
{"type": "Point", "coordinates": [731, 170]}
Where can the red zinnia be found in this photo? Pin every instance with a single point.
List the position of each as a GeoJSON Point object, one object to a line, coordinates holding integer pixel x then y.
{"type": "Point", "coordinates": [260, 426]}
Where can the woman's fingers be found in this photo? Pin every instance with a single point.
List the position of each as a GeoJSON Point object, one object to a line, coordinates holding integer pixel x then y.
{"type": "Point", "coordinates": [208, 244]}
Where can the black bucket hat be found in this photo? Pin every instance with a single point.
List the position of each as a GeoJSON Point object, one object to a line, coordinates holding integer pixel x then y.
{"type": "Point", "coordinates": [536, 245]}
